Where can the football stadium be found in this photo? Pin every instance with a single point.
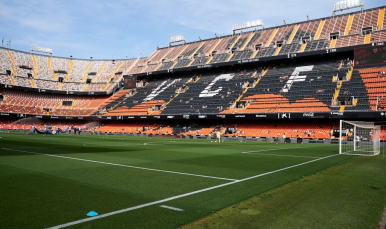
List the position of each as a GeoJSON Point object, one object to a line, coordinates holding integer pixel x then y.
{"type": "Point", "coordinates": [266, 127]}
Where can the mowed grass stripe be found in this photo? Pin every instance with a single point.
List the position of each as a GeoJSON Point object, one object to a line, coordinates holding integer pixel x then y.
{"type": "Point", "coordinates": [118, 188]}
{"type": "Point", "coordinates": [114, 164]}
{"type": "Point", "coordinates": [179, 196]}
{"type": "Point", "coordinates": [348, 195]}
{"type": "Point", "coordinates": [218, 160]}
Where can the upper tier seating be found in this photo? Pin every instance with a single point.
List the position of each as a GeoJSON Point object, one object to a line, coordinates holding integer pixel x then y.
{"type": "Point", "coordinates": [43, 69]}
{"type": "Point", "coordinates": [22, 81]}
{"type": "Point", "coordinates": [96, 87]}
{"type": "Point", "coordinates": [79, 68]}
{"type": "Point", "coordinates": [60, 64]}
{"type": "Point", "coordinates": [4, 79]}
{"type": "Point", "coordinates": [316, 33]}
{"type": "Point", "coordinates": [22, 59]}
{"type": "Point", "coordinates": [5, 61]}
{"type": "Point", "coordinates": [46, 71]}
{"type": "Point", "coordinates": [47, 84]}
{"type": "Point", "coordinates": [107, 72]}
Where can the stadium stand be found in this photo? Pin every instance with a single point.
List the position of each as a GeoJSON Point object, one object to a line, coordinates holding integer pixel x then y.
{"type": "Point", "coordinates": [304, 68]}
{"type": "Point", "coordinates": [133, 128]}
{"type": "Point", "coordinates": [27, 123]}
{"type": "Point", "coordinates": [95, 87]}
{"type": "Point", "coordinates": [62, 65]}
{"type": "Point", "coordinates": [143, 102]}
{"type": "Point", "coordinates": [23, 81]}
{"type": "Point", "coordinates": [315, 34]}
{"type": "Point", "coordinates": [4, 79]}
{"type": "Point", "coordinates": [5, 62]}
{"type": "Point", "coordinates": [110, 68]}
{"type": "Point", "coordinates": [42, 68]}
{"type": "Point", "coordinates": [46, 84]}
{"type": "Point", "coordinates": [72, 86]}
{"type": "Point", "coordinates": [47, 104]}
{"type": "Point", "coordinates": [331, 32]}
{"type": "Point", "coordinates": [375, 82]}
{"type": "Point", "coordinates": [294, 129]}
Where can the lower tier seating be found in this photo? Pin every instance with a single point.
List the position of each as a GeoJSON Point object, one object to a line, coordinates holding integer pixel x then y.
{"type": "Point", "coordinates": [48, 104]}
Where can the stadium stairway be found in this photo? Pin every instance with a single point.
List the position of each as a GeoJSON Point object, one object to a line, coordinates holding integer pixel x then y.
{"type": "Point", "coordinates": [114, 98]}
{"type": "Point", "coordinates": [375, 84]}
{"type": "Point", "coordinates": [268, 43]}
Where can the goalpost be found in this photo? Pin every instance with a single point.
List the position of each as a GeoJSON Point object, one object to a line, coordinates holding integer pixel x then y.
{"type": "Point", "coordinates": [359, 138]}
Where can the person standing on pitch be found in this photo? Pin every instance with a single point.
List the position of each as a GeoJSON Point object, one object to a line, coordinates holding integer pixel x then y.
{"type": "Point", "coordinates": [218, 136]}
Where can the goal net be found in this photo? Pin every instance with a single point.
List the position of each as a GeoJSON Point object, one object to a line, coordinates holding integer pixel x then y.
{"type": "Point", "coordinates": [359, 138]}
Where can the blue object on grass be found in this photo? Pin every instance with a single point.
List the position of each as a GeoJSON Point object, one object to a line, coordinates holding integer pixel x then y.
{"type": "Point", "coordinates": [92, 213]}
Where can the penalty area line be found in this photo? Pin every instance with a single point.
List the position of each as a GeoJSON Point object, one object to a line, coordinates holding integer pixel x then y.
{"type": "Point", "coordinates": [256, 152]}
{"type": "Point", "coordinates": [279, 155]}
{"type": "Point", "coordinates": [264, 150]}
{"type": "Point", "coordinates": [181, 196]}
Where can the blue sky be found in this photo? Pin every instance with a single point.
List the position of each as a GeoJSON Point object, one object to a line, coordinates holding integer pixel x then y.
{"type": "Point", "coordinates": [130, 28]}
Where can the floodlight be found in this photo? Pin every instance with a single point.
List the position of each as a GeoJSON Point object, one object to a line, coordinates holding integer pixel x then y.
{"type": "Point", "coordinates": [35, 48]}
{"type": "Point", "coordinates": [346, 5]}
{"type": "Point", "coordinates": [248, 25]}
{"type": "Point", "coordinates": [177, 38]}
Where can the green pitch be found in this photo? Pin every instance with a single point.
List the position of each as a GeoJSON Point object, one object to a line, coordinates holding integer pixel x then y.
{"type": "Point", "coordinates": [136, 182]}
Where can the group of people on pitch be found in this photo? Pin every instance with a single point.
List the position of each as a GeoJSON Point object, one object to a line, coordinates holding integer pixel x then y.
{"type": "Point", "coordinates": [76, 130]}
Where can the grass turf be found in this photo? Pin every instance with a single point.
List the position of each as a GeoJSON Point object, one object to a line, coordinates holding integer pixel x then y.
{"type": "Point", "coordinates": [41, 190]}
{"type": "Point", "coordinates": [349, 195]}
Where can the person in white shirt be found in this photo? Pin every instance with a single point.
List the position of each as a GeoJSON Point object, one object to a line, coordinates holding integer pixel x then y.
{"type": "Point", "coordinates": [218, 136]}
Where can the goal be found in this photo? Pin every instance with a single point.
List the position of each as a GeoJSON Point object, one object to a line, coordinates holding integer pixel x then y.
{"type": "Point", "coordinates": [359, 138]}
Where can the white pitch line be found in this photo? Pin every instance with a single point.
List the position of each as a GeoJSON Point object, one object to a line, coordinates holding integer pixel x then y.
{"type": "Point", "coordinates": [180, 196]}
{"type": "Point", "coordinates": [172, 208]}
{"type": "Point", "coordinates": [279, 155]}
{"type": "Point", "coordinates": [264, 150]}
{"type": "Point", "coordinates": [127, 166]}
